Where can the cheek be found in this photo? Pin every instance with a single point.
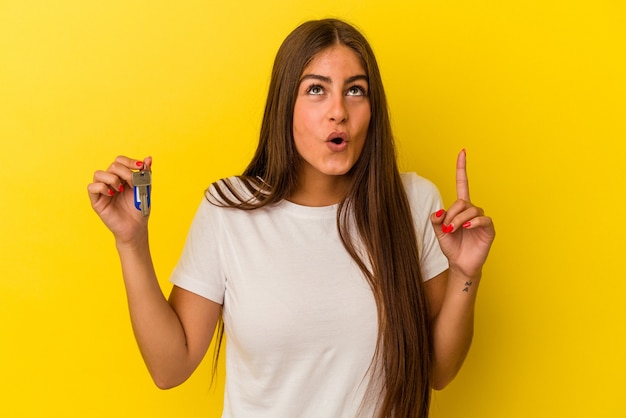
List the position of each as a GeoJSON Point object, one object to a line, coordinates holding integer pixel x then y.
{"type": "Point", "coordinates": [363, 119]}
{"type": "Point", "coordinates": [299, 116]}
{"type": "Point", "coordinates": [300, 129]}
{"type": "Point", "coordinates": [360, 113]}
{"type": "Point", "coordinates": [304, 120]}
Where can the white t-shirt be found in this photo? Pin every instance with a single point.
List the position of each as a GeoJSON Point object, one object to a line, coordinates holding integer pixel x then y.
{"type": "Point", "coordinates": [299, 315]}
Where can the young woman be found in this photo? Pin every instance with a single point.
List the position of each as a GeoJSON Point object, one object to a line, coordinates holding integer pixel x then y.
{"type": "Point", "coordinates": [344, 288]}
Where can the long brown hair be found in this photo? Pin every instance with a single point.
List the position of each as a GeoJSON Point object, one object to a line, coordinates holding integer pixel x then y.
{"type": "Point", "coordinates": [375, 203]}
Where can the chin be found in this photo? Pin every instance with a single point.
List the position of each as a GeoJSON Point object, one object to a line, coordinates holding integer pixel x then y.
{"type": "Point", "coordinates": [328, 168]}
{"type": "Point", "coordinates": [338, 171]}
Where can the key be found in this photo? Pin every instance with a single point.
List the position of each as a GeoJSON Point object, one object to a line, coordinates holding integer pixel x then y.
{"type": "Point", "coordinates": [142, 181]}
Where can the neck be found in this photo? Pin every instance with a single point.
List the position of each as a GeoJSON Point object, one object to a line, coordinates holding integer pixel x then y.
{"type": "Point", "coordinates": [319, 189]}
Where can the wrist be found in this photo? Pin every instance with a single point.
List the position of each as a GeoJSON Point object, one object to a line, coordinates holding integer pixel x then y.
{"type": "Point", "coordinates": [136, 243]}
{"type": "Point", "coordinates": [457, 273]}
{"type": "Point", "coordinates": [460, 281]}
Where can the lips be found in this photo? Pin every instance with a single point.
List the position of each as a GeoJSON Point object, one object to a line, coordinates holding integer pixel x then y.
{"type": "Point", "coordinates": [337, 138]}
{"type": "Point", "coordinates": [337, 141]}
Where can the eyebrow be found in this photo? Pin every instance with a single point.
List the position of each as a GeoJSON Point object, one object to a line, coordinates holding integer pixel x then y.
{"type": "Point", "coordinates": [325, 79]}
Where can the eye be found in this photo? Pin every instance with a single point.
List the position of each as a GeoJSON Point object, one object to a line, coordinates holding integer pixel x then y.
{"type": "Point", "coordinates": [315, 90]}
{"type": "Point", "coordinates": [356, 91]}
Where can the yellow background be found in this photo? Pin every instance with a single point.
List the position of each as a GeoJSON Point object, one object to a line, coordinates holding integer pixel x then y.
{"type": "Point", "coordinates": [533, 89]}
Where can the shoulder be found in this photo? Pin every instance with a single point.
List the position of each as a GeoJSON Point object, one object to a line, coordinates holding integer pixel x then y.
{"type": "Point", "coordinates": [423, 196]}
{"type": "Point", "coordinates": [418, 187]}
{"type": "Point", "coordinates": [224, 202]}
{"type": "Point", "coordinates": [235, 191]}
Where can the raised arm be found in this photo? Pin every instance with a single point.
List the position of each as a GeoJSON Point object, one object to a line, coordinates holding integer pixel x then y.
{"type": "Point", "coordinates": [465, 235]}
{"type": "Point", "coordinates": [172, 336]}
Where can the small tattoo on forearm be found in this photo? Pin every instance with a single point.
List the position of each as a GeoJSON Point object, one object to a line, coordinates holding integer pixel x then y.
{"type": "Point", "coordinates": [467, 286]}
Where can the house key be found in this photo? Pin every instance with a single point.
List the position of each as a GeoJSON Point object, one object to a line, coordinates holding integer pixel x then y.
{"type": "Point", "coordinates": [141, 183]}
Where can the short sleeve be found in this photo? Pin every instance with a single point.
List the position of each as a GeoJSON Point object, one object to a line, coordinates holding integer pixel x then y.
{"type": "Point", "coordinates": [424, 199]}
{"type": "Point", "coordinates": [200, 269]}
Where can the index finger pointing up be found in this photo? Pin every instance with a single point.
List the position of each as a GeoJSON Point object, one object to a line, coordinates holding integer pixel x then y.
{"type": "Point", "coordinates": [462, 185]}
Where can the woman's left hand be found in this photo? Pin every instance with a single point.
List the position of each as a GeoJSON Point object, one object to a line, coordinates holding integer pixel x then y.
{"type": "Point", "coordinates": [465, 234]}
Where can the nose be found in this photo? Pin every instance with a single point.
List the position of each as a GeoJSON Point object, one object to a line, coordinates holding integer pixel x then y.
{"type": "Point", "coordinates": [338, 111]}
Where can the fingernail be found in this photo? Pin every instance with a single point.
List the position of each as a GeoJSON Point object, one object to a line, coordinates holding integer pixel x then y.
{"type": "Point", "coordinates": [139, 163]}
{"type": "Point", "coordinates": [121, 188]}
{"type": "Point", "coordinates": [439, 213]}
{"type": "Point", "coordinates": [467, 224]}
{"type": "Point", "coordinates": [446, 229]}
{"type": "Point", "coordinates": [111, 192]}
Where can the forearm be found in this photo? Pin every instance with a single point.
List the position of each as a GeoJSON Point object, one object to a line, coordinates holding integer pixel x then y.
{"type": "Point", "coordinates": [157, 328]}
{"type": "Point", "coordinates": [453, 327]}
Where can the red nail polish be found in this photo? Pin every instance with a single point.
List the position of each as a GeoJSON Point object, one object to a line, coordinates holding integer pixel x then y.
{"type": "Point", "coordinates": [121, 188]}
{"type": "Point", "coordinates": [446, 229]}
{"type": "Point", "coordinates": [139, 163]}
{"type": "Point", "coordinates": [467, 224]}
{"type": "Point", "coordinates": [439, 213]}
{"type": "Point", "coordinates": [111, 192]}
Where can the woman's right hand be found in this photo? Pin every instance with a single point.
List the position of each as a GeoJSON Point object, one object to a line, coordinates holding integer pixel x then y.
{"type": "Point", "coordinates": [112, 198]}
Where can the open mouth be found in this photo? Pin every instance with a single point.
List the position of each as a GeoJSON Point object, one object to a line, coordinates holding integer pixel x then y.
{"type": "Point", "coordinates": [337, 140]}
